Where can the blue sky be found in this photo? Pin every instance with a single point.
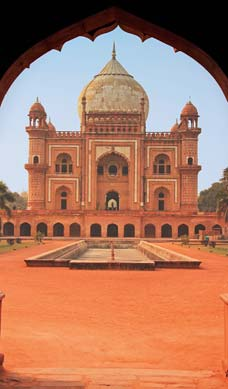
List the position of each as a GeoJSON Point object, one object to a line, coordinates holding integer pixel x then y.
{"type": "Point", "coordinates": [169, 79]}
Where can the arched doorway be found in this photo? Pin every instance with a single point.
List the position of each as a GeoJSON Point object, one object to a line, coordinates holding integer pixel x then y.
{"type": "Point", "coordinates": [112, 231]}
{"type": "Point", "coordinates": [25, 229]}
{"type": "Point", "coordinates": [129, 230]}
{"type": "Point", "coordinates": [217, 229]}
{"type": "Point", "coordinates": [95, 230]}
{"type": "Point", "coordinates": [182, 230]}
{"type": "Point", "coordinates": [75, 229]}
{"type": "Point", "coordinates": [166, 231]}
{"type": "Point", "coordinates": [58, 229]}
{"type": "Point", "coordinates": [112, 201]}
{"type": "Point", "coordinates": [112, 181]}
{"type": "Point", "coordinates": [149, 231]}
{"type": "Point", "coordinates": [198, 228]}
{"type": "Point", "coordinates": [8, 229]}
{"type": "Point", "coordinates": [42, 227]}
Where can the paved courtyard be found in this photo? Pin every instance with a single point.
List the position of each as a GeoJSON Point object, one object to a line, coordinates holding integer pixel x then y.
{"type": "Point", "coordinates": [170, 320]}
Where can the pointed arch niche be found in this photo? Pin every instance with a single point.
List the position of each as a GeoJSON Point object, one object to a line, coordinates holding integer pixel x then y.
{"type": "Point", "coordinates": [112, 182]}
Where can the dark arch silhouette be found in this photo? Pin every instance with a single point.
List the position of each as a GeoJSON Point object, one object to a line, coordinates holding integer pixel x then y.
{"type": "Point", "coordinates": [75, 229]}
{"type": "Point", "coordinates": [42, 227]}
{"type": "Point", "coordinates": [129, 230]}
{"type": "Point", "coordinates": [199, 227]}
{"type": "Point", "coordinates": [183, 230]}
{"type": "Point", "coordinates": [95, 230]}
{"type": "Point", "coordinates": [58, 229]}
{"type": "Point", "coordinates": [8, 229]}
{"type": "Point", "coordinates": [112, 231]}
{"type": "Point", "coordinates": [149, 231]}
{"type": "Point", "coordinates": [25, 229]}
{"type": "Point", "coordinates": [96, 19]}
{"type": "Point", "coordinates": [217, 229]}
{"type": "Point", "coordinates": [166, 231]}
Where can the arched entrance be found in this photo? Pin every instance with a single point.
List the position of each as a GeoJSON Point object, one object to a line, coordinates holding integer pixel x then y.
{"type": "Point", "coordinates": [182, 230]}
{"type": "Point", "coordinates": [149, 231]}
{"type": "Point", "coordinates": [8, 229]}
{"type": "Point", "coordinates": [112, 182]}
{"type": "Point", "coordinates": [75, 229]}
{"type": "Point", "coordinates": [166, 231]}
{"type": "Point", "coordinates": [95, 230]}
{"type": "Point", "coordinates": [112, 231]}
{"type": "Point", "coordinates": [129, 230]}
{"type": "Point", "coordinates": [217, 229]}
{"type": "Point", "coordinates": [198, 228]}
{"type": "Point", "coordinates": [112, 201]}
{"type": "Point", "coordinates": [42, 227]}
{"type": "Point", "coordinates": [25, 229]}
{"type": "Point", "coordinates": [58, 229]}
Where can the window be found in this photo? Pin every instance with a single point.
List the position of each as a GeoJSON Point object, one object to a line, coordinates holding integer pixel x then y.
{"type": "Point", "coordinates": [190, 161]}
{"type": "Point", "coordinates": [162, 165]}
{"type": "Point", "coordinates": [125, 170]}
{"type": "Point", "coordinates": [161, 201]}
{"type": "Point", "coordinates": [63, 200]}
{"type": "Point", "coordinates": [100, 170]}
{"type": "Point", "coordinates": [112, 170]}
{"type": "Point", "coordinates": [64, 164]}
{"type": "Point", "coordinates": [63, 204]}
{"type": "Point", "coordinates": [36, 159]}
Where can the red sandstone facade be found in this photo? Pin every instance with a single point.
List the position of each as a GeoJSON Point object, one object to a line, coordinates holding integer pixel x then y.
{"type": "Point", "coordinates": [112, 178]}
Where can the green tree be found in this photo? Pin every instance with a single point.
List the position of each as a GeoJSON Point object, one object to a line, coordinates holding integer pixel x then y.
{"type": "Point", "coordinates": [6, 198]}
{"type": "Point", "coordinates": [207, 200]}
{"type": "Point", "coordinates": [20, 201]}
{"type": "Point", "coordinates": [222, 203]}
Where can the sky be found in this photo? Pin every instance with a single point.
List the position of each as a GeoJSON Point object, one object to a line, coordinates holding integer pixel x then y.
{"type": "Point", "coordinates": [170, 79]}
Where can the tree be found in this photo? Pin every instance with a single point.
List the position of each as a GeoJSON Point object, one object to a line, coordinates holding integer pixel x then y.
{"type": "Point", "coordinates": [20, 201]}
{"type": "Point", "coordinates": [222, 203]}
{"type": "Point", "coordinates": [6, 197]}
{"type": "Point", "coordinates": [208, 198]}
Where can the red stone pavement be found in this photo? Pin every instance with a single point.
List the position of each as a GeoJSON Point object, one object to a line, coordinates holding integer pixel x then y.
{"type": "Point", "coordinates": [166, 319]}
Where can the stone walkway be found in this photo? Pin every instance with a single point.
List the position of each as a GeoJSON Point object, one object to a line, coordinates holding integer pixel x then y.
{"type": "Point", "coordinates": [113, 378]}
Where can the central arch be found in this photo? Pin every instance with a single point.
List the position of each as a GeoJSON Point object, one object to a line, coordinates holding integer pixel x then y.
{"type": "Point", "coordinates": [112, 231]}
{"type": "Point", "coordinates": [112, 201]}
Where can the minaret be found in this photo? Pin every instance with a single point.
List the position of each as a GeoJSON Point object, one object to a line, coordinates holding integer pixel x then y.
{"type": "Point", "coordinates": [36, 166]}
{"type": "Point", "coordinates": [189, 168]}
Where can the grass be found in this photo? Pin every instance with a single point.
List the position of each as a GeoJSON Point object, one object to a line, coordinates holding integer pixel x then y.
{"type": "Point", "coordinates": [5, 247]}
{"type": "Point", "coordinates": [222, 249]}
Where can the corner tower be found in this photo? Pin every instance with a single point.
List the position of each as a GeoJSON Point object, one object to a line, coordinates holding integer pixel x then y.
{"type": "Point", "coordinates": [36, 166]}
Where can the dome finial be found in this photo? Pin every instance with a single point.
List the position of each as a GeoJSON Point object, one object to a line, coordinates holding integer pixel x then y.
{"type": "Point", "coordinates": [37, 100]}
{"type": "Point", "coordinates": [114, 51]}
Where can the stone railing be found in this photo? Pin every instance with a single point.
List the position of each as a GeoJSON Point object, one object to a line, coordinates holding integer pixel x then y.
{"type": "Point", "coordinates": [224, 298]}
{"type": "Point", "coordinates": [167, 135]}
{"type": "Point", "coordinates": [75, 134]}
{"type": "Point", "coordinates": [164, 257]}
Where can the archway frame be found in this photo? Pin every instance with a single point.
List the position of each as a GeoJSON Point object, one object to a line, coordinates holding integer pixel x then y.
{"type": "Point", "coordinates": [106, 21]}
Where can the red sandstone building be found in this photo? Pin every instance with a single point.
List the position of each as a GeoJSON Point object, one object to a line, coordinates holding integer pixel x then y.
{"type": "Point", "coordinates": [112, 178]}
